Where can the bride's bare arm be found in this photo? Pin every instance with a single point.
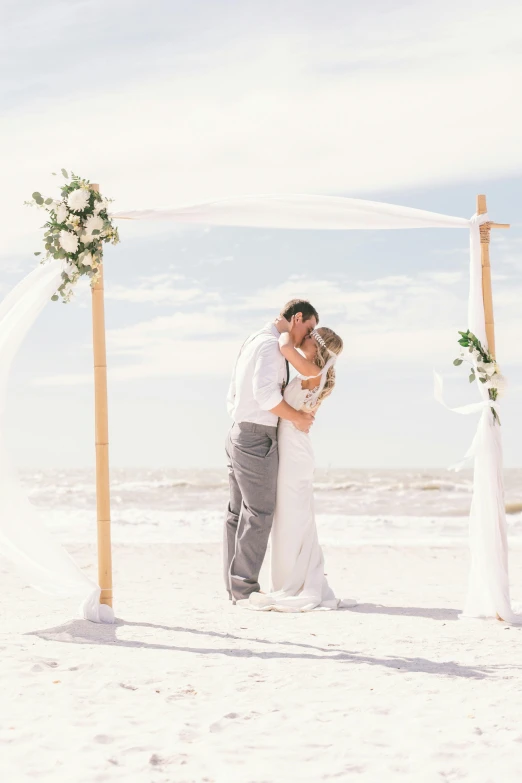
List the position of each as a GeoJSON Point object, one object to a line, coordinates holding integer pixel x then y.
{"type": "Point", "coordinates": [297, 360]}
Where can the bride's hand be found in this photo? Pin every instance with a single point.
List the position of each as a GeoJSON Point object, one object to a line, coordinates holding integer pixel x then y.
{"type": "Point", "coordinates": [283, 325]}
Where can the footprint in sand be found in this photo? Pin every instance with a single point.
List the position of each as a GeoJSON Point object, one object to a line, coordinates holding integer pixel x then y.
{"type": "Point", "coordinates": [222, 724]}
{"type": "Point", "coordinates": [103, 739]}
{"type": "Point", "coordinates": [44, 664]}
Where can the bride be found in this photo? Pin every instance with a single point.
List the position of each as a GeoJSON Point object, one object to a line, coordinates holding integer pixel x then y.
{"type": "Point", "coordinates": [298, 582]}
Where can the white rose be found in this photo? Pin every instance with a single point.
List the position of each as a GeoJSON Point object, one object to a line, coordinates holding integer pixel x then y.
{"type": "Point", "coordinates": [103, 204]}
{"type": "Point", "coordinates": [490, 368]}
{"type": "Point", "coordinates": [61, 213]}
{"type": "Point", "coordinates": [86, 259]}
{"type": "Point", "coordinates": [68, 241]}
{"type": "Point", "coordinates": [93, 223]}
{"type": "Point", "coordinates": [78, 199]}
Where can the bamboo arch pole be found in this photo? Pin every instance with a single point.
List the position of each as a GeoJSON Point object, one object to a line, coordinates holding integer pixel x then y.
{"type": "Point", "coordinates": [487, 293]}
{"type": "Point", "coordinates": [101, 415]}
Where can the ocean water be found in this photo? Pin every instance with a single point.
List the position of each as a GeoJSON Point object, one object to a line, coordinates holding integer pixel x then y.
{"type": "Point", "coordinates": [187, 506]}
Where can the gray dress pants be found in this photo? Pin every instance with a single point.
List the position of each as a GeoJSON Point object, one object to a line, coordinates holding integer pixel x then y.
{"type": "Point", "coordinates": [252, 460]}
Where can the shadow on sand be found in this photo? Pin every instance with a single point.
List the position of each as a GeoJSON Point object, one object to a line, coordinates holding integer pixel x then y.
{"type": "Point", "coordinates": [84, 632]}
{"type": "Point", "coordinates": [444, 615]}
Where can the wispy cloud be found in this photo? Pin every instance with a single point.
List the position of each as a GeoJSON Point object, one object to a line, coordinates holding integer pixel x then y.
{"type": "Point", "coordinates": [165, 289]}
{"type": "Point", "coordinates": [163, 108]}
{"type": "Point", "coordinates": [273, 113]}
{"type": "Point", "coordinates": [399, 320]}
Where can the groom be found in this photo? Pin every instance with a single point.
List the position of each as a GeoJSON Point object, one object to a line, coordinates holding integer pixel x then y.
{"type": "Point", "coordinates": [255, 403]}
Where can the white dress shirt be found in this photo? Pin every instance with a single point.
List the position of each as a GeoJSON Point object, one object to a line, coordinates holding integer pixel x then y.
{"type": "Point", "coordinates": [257, 379]}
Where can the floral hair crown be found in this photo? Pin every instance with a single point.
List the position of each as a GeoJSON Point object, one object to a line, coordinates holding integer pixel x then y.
{"type": "Point", "coordinates": [317, 337]}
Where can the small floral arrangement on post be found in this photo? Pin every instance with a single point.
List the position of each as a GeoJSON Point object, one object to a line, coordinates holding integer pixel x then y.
{"type": "Point", "coordinates": [483, 367]}
{"type": "Point", "coordinates": [77, 227]}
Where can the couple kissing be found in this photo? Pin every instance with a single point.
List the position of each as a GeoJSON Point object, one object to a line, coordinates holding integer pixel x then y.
{"type": "Point", "coordinates": [271, 464]}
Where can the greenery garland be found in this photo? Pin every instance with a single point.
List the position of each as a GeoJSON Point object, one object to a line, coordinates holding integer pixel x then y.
{"type": "Point", "coordinates": [483, 367]}
{"type": "Point", "coordinates": [75, 231]}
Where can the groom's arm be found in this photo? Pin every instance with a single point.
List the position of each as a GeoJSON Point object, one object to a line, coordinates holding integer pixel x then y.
{"type": "Point", "coordinates": [265, 381]}
{"type": "Point", "coordinates": [267, 391]}
{"type": "Point", "coordinates": [303, 420]}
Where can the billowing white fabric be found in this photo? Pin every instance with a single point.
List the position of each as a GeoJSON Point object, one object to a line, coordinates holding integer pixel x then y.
{"type": "Point", "coordinates": [298, 212]}
{"type": "Point", "coordinates": [488, 584]}
{"type": "Point", "coordinates": [42, 561]}
{"type": "Point", "coordinates": [297, 579]}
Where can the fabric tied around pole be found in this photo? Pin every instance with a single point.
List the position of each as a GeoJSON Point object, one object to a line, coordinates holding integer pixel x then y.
{"type": "Point", "coordinates": [488, 583]}
{"type": "Point", "coordinates": [24, 539]}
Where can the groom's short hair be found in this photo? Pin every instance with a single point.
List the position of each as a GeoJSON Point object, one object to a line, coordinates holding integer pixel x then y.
{"type": "Point", "coordinates": [299, 306]}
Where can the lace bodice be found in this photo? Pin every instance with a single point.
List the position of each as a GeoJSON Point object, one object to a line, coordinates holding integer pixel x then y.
{"type": "Point", "coordinates": [298, 397]}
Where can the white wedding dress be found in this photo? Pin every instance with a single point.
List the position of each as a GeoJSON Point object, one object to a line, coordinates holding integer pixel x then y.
{"type": "Point", "coordinates": [297, 579]}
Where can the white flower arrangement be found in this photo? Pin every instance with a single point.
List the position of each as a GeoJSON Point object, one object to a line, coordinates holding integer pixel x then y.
{"type": "Point", "coordinates": [77, 227]}
{"type": "Point", "coordinates": [483, 367]}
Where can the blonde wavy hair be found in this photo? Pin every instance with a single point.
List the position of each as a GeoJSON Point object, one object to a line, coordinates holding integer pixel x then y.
{"type": "Point", "coordinates": [334, 344]}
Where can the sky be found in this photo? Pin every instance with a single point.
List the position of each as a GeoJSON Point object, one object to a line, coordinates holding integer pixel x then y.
{"type": "Point", "coordinates": [175, 103]}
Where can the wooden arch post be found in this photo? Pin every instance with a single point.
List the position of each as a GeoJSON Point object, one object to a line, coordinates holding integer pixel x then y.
{"type": "Point", "coordinates": [487, 292]}
{"type": "Point", "coordinates": [101, 416]}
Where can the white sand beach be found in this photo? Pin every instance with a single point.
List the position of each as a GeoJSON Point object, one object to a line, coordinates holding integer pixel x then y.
{"type": "Point", "coordinates": [186, 688]}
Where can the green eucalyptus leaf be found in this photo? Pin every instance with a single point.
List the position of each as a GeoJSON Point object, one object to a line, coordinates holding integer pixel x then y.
{"type": "Point", "coordinates": [48, 201]}
{"type": "Point", "coordinates": [54, 298]}
{"type": "Point", "coordinates": [472, 377]}
{"type": "Point", "coordinates": [39, 253]}
{"type": "Point", "coordinates": [64, 173]}
{"type": "Point", "coordinates": [457, 362]}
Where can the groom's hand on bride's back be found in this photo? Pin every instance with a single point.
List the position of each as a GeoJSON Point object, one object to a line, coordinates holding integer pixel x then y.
{"type": "Point", "coordinates": [305, 421]}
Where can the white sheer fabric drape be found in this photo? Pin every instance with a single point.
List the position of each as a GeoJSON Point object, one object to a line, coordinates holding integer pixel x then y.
{"type": "Point", "coordinates": [48, 566]}
{"type": "Point", "coordinates": [298, 212]}
{"type": "Point", "coordinates": [44, 564]}
{"type": "Point", "coordinates": [488, 587]}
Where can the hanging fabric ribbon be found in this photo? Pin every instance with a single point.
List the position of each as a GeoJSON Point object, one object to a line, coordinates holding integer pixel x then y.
{"type": "Point", "coordinates": [43, 563]}
{"type": "Point", "coordinates": [488, 585]}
